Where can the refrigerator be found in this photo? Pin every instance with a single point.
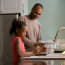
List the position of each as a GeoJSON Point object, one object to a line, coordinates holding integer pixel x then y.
{"type": "Point", "coordinates": [6, 57]}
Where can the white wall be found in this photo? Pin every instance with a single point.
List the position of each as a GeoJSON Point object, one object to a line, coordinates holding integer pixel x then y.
{"type": "Point", "coordinates": [52, 18]}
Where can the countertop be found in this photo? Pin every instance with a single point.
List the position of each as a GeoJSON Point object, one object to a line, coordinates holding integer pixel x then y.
{"type": "Point", "coordinates": [53, 56]}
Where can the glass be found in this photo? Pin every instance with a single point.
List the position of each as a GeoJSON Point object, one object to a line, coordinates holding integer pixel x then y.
{"type": "Point", "coordinates": [50, 45]}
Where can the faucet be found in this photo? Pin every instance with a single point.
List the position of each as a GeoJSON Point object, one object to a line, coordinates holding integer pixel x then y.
{"type": "Point", "coordinates": [61, 28]}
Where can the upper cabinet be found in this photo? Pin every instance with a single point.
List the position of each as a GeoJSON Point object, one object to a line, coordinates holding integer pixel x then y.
{"type": "Point", "coordinates": [13, 6]}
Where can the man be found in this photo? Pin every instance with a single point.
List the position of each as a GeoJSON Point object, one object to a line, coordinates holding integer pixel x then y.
{"type": "Point", "coordinates": [33, 35]}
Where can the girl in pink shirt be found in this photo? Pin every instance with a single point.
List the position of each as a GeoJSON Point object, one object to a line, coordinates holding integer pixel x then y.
{"type": "Point", "coordinates": [19, 29]}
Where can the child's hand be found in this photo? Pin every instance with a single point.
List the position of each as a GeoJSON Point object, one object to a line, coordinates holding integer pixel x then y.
{"type": "Point", "coordinates": [39, 50]}
{"type": "Point", "coordinates": [36, 50]}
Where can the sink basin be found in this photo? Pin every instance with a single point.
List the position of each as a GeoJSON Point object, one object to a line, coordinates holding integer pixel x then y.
{"type": "Point", "coordinates": [58, 51]}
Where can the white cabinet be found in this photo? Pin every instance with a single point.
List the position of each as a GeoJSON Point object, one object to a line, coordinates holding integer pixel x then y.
{"type": "Point", "coordinates": [13, 6]}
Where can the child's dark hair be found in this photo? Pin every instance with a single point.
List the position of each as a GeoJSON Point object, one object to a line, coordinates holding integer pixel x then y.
{"type": "Point", "coordinates": [16, 24]}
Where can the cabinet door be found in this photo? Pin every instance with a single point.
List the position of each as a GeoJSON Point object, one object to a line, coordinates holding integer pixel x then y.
{"type": "Point", "coordinates": [14, 6]}
{"type": "Point", "coordinates": [10, 6]}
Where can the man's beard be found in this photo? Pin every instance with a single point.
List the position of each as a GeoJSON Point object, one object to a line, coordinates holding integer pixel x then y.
{"type": "Point", "coordinates": [33, 16]}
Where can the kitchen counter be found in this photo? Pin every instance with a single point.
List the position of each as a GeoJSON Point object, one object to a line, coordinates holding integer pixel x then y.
{"type": "Point", "coordinates": [49, 59]}
{"type": "Point", "coordinates": [55, 56]}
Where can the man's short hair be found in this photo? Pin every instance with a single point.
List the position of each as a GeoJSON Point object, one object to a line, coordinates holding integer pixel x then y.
{"type": "Point", "coordinates": [38, 4]}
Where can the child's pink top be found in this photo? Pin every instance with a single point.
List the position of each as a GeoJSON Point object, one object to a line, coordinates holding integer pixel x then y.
{"type": "Point", "coordinates": [15, 58]}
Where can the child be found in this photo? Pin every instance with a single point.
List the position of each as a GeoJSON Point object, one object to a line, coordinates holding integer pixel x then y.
{"type": "Point", "coordinates": [19, 29]}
